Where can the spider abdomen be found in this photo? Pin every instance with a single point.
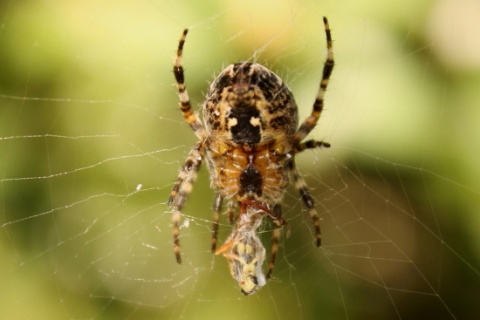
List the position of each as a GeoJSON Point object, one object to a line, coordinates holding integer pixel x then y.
{"type": "Point", "coordinates": [251, 118]}
{"type": "Point", "coordinates": [249, 104]}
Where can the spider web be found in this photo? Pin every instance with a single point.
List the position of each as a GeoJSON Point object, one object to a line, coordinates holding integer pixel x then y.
{"type": "Point", "coordinates": [91, 142]}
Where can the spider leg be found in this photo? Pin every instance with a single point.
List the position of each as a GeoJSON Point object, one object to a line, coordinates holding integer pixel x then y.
{"type": "Point", "coordinates": [229, 243]}
{"type": "Point", "coordinates": [217, 206]}
{"type": "Point", "coordinates": [190, 117]}
{"type": "Point", "coordinates": [277, 216]}
{"type": "Point", "coordinates": [301, 186]}
{"type": "Point", "coordinates": [181, 190]}
{"type": "Point", "coordinates": [311, 144]}
{"type": "Point", "coordinates": [311, 121]}
{"type": "Point", "coordinates": [232, 205]}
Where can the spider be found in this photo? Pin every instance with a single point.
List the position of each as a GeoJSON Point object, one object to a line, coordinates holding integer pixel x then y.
{"type": "Point", "coordinates": [250, 139]}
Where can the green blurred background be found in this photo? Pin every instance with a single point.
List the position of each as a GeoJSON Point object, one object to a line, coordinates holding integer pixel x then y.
{"type": "Point", "coordinates": [91, 140]}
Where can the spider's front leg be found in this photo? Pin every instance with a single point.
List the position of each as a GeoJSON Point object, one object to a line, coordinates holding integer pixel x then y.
{"type": "Point", "coordinates": [306, 127]}
{"type": "Point", "coordinates": [185, 105]}
{"type": "Point", "coordinates": [311, 121]}
{"type": "Point", "coordinates": [181, 190]}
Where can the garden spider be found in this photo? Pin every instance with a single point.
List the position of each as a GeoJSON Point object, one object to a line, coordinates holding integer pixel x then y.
{"type": "Point", "coordinates": [250, 140]}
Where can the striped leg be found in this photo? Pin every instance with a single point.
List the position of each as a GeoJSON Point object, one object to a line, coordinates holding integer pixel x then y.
{"type": "Point", "coordinates": [311, 144]}
{"type": "Point", "coordinates": [181, 190]}
{"type": "Point", "coordinates": [188, 174]}
{"type": "Point", "coordinates": [306, 127]}
{"type": "Point", "coordinates": [217, 206]}
{"type": "Point", "coordinates": [232, 205]}
{"type": "Point", "coordinates": [185, 106]}
{"type": "Point", "coordinates": [301, 186]}
{"type": "Point", "coordinates": [277, 213]}
{"type": "Point", "coordinates": [311, 121]}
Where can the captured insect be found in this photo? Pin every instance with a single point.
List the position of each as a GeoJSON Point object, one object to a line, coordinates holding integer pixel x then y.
{"type": "Point", "coordinates": [245, 252]}
{"type": "Point", "coordinates": [250, 139]}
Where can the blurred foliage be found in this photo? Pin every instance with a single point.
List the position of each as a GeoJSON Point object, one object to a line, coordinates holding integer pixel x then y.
{"type": "Point", "coordinates": [91, 141]}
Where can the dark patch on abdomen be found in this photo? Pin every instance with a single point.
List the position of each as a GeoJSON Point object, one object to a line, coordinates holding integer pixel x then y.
{"type": "Point", "coordinates": [251, 181]}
